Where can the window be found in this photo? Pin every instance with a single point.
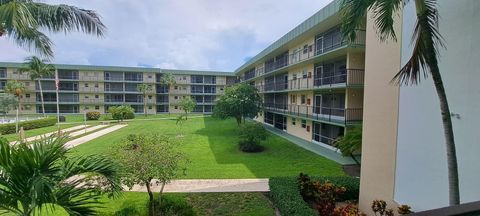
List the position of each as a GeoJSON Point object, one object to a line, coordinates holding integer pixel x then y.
{"type": "Point", "coordinates": [87, 108]}
{"type": "Point", "coordinates": [176, 97]}
{"type": "Point", "coordinates": [27, 83]}
{"type": "Point", "coordinates": [149, 97]}
{"type": "Point", "coordinates": [149, 76]}
{"type": "Point", "coordinates": [176, 107]}
{"type": "Point", "coordinates": [86, 84]}
{"type": "Point", "coordinates": [293, 99]}
{"type": "Point", "coordinates": [184, 78]}
{"type": "Point", "coordinates": [149, 107]}
{"type": "Point", "coordinates": [184, 88]}
{"type": "Point", "coordinates": [97, 107]}
{"type": "Point", "coordinates": [305, 49]}
{"type": "Point", "coordinates": [294, 76]}
{"type": "Point", "coordinates": [96, 85]}
{"type": "Point", "coordinates": [96, 96]}
{"type": "Point", "coordinates": [308, 101]}
{"type": "Point", "coordinates": [176, 87]}
{"type": "Point", "coordinates": [303, 99]}
{"type": "Point", "coordinates": [221, 89]}
{"type": "Point", "coordinates": [304, 123]}
{"type": "Point", "coordinates": [304, 73]}
{"type": "Point", "coordinates": [294, 121]}
{"type": "Point", "coordinates": [27, 95]}
{"type": "Point", "coordinates": [86, 97]}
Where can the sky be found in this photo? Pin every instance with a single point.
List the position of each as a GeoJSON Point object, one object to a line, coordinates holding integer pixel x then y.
{"type": "Point", "coordinates": [216, 35]}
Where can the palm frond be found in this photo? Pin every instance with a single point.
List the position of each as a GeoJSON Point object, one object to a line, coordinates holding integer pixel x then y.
{"type": "Point", "coordinates": [31, 37]}
{"type": "Point", "coordinates": [67, 18]}
{"type": "Point", "coordinates": [384, 14]}
{"type": "Point", "coordinates": [16, 16]}
{"type": "Point", "coordinates": [426, 40]}
{"type": "Point", "coordinates": [354, 13]}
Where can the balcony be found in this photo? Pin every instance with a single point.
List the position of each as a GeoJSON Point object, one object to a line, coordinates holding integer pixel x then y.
{"type": "Point", "coordinates": [351, 78]}
{"type": "Point", "coordinates": [298, 57]}
{"type": "Point", "coordinates": [341, 116]}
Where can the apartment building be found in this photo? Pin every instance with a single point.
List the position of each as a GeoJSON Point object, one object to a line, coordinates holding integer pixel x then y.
{"type": "Point", "coordinates": [84, 88]}
{"type": "Point", "coordinates": [311, 80]}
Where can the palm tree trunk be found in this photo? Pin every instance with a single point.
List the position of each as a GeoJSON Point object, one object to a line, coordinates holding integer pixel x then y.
{"type": "Point", "coordinates": [16, 118]}
{"type": "Point", "coordinates": [453, 184]}
{"type": "Point", "coordinates": [41, 97]}
{"type": "Point", "coordinates": [145, 104]}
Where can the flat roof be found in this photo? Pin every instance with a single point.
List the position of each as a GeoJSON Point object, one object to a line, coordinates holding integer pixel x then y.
{"type": "Point", "coordinates": [323, 14]}
{"type": "Point", "coordinates": [124, 69]}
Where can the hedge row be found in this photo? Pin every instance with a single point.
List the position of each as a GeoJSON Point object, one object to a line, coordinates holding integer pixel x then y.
{"type": "Point", "coordinates": [27, 125]}
{"type": "Point", "coordinates": [286, 195]}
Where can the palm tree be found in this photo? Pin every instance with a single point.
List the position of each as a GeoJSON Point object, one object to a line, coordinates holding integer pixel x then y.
{"type": "Point", "coordinates": [23, 20]}
{"type": "Point", "coordinates": [36, 177]}
{"type": "Point", "coordinates": [144, 88]}
{"type": "Point", "coordinates": [38, 68]}
{"type": "Point", "coordinates": [168, 79]}
{"type": "Point", "coordinates": [16, 89]}
{"type": "Point", "coordinates": [423, 62]}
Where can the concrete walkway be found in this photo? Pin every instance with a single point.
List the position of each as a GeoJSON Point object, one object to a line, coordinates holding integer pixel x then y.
{"type": "Point", "coordinates": [92, 136]}
{"type": "Point", "coordinates": [209, 185]}
{"type": "Point", "coordinates": [30, 139]}
{"type": "Point", "coordinates": [87, 130]}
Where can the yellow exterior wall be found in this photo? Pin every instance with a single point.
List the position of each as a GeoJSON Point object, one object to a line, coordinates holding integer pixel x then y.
{"type": "Point", "coordinates": [297, 129]}
{"type": "Point", "coordinates": [380, 115]}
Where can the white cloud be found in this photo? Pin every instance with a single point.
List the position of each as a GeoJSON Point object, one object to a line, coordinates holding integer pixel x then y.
{"type": "Point", "coordinates": [182, 34]}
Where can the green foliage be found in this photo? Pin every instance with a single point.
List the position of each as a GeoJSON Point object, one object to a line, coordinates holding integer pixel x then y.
{"type": "Point", "coordinates": [15, 88]}
{"type": "Point", "coordinates": [41, 174]}
{"type": "Point", "coordinates": [239, 101]}
{"type": "Point", "coordinates": [23, 21]}
{"type": "Point", "coordinates": [150, 157]}
{"type": "Point", "coordinates": [351, 143]}
{"type": "Point", "coordinates": [27, 125]}
{"type": "Point", "coordinates": [251, 134]}
{"type": "Point", "coordinates": [37, 68]}
{"type": "Point", "coordinates": [144, 88]}
{"type": "Point", "coordinates": [323, 195]}
{"type": "Point", "coordinates": [8, 102]}
{"type": "Point", "coordinates": [121, 112]}
{"type": "Point", "coordinates": [172, 205]}
{"type": "Point", "coordinates": [93, 115]}
{"type": "Point", "coordinates": [188, 105]}
{"type": "Point", "coordinates": [285, 193]}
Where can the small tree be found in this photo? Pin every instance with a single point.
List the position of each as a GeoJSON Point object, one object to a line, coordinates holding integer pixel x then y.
{"type": "Point", "coordinates": [239, 101]}
{"type": "Point", "coordinates": [121, 112]}
{"type": "Point", "coordinates": [150, 158]}
{"type": "Point", "coordinates": [7, 102]}
{"type": "Point", "coordinates": [145, 89]}
{"type": "Point", "coordinates": [38, 68]}
{"type": "Point", "coordinates": [16, 89]}
{"type": "Point", "coordinates": [351, 143]}
{"type": "Point", "coordinates": [168, 80]}
{"type": "Point", "coordinates": [251, 134]}
{"type": "Point", "coordinates": [188, 105]}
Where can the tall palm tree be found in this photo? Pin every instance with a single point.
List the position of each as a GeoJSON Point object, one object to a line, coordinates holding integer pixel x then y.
{"type": "Point", "coordinates": [144, 88]}
{"type": "Point", "coordinates": [38, 68]}
{"type": "Point", "coordinates": [16, 89]}
{"type": "Point", "coordinates": [423, 62]}
{"type": "Point", "coordinates": [168, 79]}
{"type": "Point", "coordinates": [36, 177]}
{"type": "Point", "coordinates": [23, 20]}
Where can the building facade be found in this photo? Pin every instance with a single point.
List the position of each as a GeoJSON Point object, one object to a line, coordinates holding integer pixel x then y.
{"type": "Point", "coordinates": [95, 88]}
{"type": "Point", "coordinates": [311, 80]}
{"type": "Point", "coordinates": [404, 158]}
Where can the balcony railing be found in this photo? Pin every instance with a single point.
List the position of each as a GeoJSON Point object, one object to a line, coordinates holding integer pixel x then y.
{"type": "Point", "coordinates": [62, 100]}
{"type": "Point", "coordinates": [351, 77]}
{"type": "Point", "coordinates": [110, 100]}
{"type": "Point", "coordinates": [294, 58]}
{"type": "Point", "coordinates": [330, 114]}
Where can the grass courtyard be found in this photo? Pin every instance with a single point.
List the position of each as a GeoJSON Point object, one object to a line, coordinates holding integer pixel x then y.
{"type": "Point", "coordinates": [211, 145]}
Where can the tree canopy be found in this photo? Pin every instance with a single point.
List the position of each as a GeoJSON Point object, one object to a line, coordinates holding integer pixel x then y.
{"type": "Point", "coordinates": [239, 101]}
{"type": "Point", "coordinates": [188, 105]}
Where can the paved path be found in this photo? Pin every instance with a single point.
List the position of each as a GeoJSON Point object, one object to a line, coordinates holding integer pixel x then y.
{"type": "Point", "coordinates": [210, 185]}
{"type": "Point", "coordinates": [29, 139]}
{"type": "Point", "coordinates": [92, 136]}
{"type": "Point", "coordinates": [90, 129]}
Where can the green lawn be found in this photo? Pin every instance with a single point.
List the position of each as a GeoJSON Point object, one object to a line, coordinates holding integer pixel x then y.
{"type": "Point", "coordinates": [38, 131]}
{"type": "Point", "coordinates": [70, 118]}
{"type": "Point", "coordinates": [203, 204]}
{"type": "Point", "coordinates": [211, 145]}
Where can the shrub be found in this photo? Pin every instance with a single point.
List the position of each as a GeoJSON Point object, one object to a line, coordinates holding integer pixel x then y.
{"type": "Point", "coordinates": [93, 115]}
{"type": "Point", "coordinates": [121, 112]}
{"type": "Point", "coordinates": [251, 134]}
{"type": "Point", "coordinates": [322, 195]}
{"type": "Point", "coordinates": [247, 146]}
{"type": "Point", "coordinates": [27, 125]}
{"type": "Point", "coordinates": [171, 205]}
{"type": "Point", "coordinates": [285, 193]}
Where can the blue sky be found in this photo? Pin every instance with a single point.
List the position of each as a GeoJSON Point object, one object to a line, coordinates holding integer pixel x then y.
{"type": "Point", "coordinates": [176, 34]}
